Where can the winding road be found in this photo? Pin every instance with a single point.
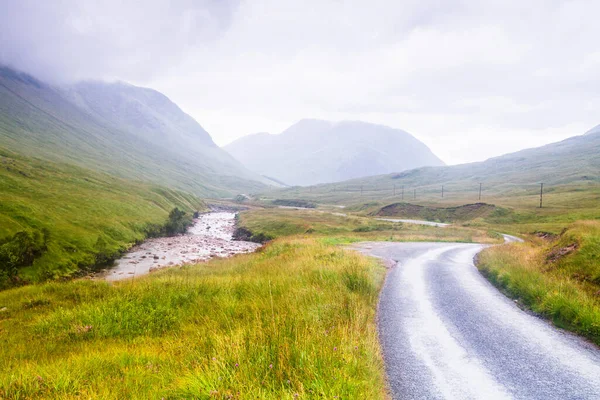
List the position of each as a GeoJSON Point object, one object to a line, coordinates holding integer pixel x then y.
{"type": "Point", "coordinates": [447, 333]}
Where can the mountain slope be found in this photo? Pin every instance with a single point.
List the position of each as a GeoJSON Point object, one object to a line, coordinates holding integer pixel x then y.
{"type": "Point", "coordinates": [593, 130]}
{"type": "Point", "coordinates": [57, 219]}
{"type": "Point", "coordinates": [117, 128]}
{"type": "Point", "coordinates": [574, 161]}
{"type": "Point", "coordinates": [314, 151]}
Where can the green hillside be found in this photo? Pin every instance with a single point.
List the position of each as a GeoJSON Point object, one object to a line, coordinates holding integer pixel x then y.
{"type": "Point", "coordinates": [120, 129]}
{"type": "Point", "coordinates": [573, 164]}
{"type": "Point", "coordinates": [57, 220]}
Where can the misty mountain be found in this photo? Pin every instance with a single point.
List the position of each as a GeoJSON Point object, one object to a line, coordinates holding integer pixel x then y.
{"type": "Point", "coordinates": [593, 130]}
{"type": "Point", "coordinates": [574, 161]}
{"type": "Point", "coordinates": [116, 128]}
{"type": "Point", "coordinates": [315, 151]}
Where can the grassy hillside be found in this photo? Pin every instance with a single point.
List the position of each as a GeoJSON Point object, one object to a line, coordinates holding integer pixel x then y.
{"type": "Point", "coordinates": [571, 164]}
{"type": "Point", "coordinates": [73, 218]}
{"type": "Point", "coordinates": [294, 320]}
{"type": "Point", "coordinates": [339, 228]}
{"type": "Point", "coordinates": [465, 212]}
{"type": "Point", "coordinates": [123, 130]}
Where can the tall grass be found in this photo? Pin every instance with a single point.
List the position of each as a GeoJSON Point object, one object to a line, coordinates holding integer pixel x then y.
{"type": "Point", "coordinates": [331, 227]}
{"type": "Point", "coordinates": [294, 320]}
{"type": "Point", "coordinates": [565, 289]}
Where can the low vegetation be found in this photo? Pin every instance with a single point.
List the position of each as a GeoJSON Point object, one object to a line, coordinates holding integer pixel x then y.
{"type": "Point", "coordinates": [339, 227]}
{"type": "Point", "coordinates": [557, 276]}
{"type": "Point", "coordinates": [295, 319]}
{"type": "Point", "coordinates": [58, 220]}
{"type": "Point", "coordinates": [467, 212]}
{"type": "Point", "coordinates": [294, 203]}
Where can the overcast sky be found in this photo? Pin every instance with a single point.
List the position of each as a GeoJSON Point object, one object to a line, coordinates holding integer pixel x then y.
{"type": "Point", "coordinates": [471, 79]}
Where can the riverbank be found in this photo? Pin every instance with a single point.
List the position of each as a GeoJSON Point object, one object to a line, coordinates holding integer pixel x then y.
{"type": "Point", "coordinates": [210, 236]}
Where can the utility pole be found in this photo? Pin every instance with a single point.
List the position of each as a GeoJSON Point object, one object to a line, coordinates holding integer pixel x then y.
{"type": "Point", "coordinates": [479, 191]}
{"type": "Point", "coordinates": [541, 195]}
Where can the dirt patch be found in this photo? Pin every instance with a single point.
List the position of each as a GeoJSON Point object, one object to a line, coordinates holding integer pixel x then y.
{"type": "Point", "coordinates": [545, 235]}
{"type": "Point", "coordinates": [559, 252]}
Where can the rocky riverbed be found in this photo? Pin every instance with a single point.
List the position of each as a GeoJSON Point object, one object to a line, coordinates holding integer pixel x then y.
{"type": "Point", "coordinates": [211, 236]}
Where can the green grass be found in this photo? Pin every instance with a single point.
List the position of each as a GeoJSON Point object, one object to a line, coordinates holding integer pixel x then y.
{"type": "Point", "coordinates": [465, 212]}
{"type": "Point", "coordinates": [297, 318]}
{"type": "Point", "coordinates": [332, 228]}
{"type": "Point", "coordinates": [120, 130]}
{"type": "Point", "coordinates": [559, 279]}
{"type": "Point", "coordinates": [84, 212]}
{"type": "Point", "coordinates": [567, 165]}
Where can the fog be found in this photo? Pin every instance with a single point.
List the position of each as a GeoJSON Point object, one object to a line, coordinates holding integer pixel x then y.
{"type": "Point", "coordinates": [471, 79]}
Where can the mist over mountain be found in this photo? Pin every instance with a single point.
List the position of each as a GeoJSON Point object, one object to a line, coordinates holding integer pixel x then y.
{"type": "Point", "coordinates": [315, 151]}
{"type": "Point", "coordinates": [594, 130]}
{"type": "Point", "coordinates": [569, 162]}
{"type": "Point", "coordinates": [116, 128]}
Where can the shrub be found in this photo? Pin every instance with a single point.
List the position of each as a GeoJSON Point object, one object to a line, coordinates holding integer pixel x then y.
{"type": "Point", "coordinates": [20, 251]}
{"type": "Point", "coordinates": [177, 222]}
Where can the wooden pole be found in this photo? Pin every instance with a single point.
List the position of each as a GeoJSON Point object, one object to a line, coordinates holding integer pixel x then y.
{"type": "Point", "coordinates": [541, 195]}
{"type": "Point", "coordinates": [479, 191]}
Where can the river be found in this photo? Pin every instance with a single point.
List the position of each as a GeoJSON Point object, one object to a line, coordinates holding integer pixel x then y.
{"type": "Point", "coordinates": [210, 236]}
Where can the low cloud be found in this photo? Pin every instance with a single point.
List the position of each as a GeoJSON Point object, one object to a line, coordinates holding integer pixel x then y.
{"type": "Point", "coordinates": [471, 78]}
{"type": "Point", "coordinates": [63, 40]}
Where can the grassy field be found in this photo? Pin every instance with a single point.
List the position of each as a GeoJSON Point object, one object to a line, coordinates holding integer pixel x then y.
{"type": "Point", "coordinates": [557, 277]}
{"type": "Point", "coordinates": [339, 228]}
{"type": "Point", "coordinates": [69, 216]}
{"type": "Point", "coordinates": [556, 273]}
{"type": "Point", "coordinates": [296, 319]}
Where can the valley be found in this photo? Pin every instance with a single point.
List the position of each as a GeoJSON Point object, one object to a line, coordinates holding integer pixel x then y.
{"type": "Point", "coordinates": [138, 259]}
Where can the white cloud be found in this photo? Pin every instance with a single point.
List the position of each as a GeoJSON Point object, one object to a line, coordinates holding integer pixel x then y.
{"type": "Point", "coordinates": [471, 78]}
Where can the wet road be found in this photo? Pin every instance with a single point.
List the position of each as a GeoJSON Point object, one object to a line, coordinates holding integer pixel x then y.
{"type": "Point", "coordinates": [414, 221]}
{"type": "Point", "coordinates": [447, 333]}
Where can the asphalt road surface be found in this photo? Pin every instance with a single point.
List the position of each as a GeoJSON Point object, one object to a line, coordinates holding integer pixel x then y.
{"type": "Point", "coordinates": [447, 333]}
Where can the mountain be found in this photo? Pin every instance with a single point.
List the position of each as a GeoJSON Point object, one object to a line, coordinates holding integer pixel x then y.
{"type": "Point", "coordinates": [574, 161]}
{"type": "Point", "coordinates": [593, 130]}
{"type": "Point", "coordinates": [117, 128]}
{"type": "Point", "coordinates": [315, 151]}
{"type": "Point", "coordinates": [59, 219]}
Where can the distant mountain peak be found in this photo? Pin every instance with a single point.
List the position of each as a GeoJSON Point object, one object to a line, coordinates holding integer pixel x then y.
{"type": "Point", "coordinates": [316, 151]}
